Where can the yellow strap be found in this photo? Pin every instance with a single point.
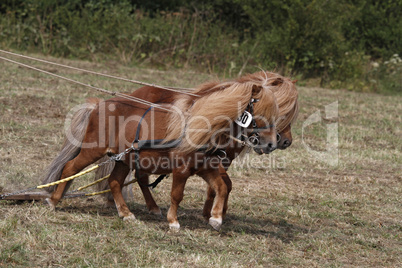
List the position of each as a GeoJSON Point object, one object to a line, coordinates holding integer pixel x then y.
{"type": "Point", "coordinates": [96, 193]}
{"type": "Point", "coordinates": [106, 191]}
{"type": "Point", "coordinates": [68, 179]}
{"type": "Point", "coordinates": [95, 182]}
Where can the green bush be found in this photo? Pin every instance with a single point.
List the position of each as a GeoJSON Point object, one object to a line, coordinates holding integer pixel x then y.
{"type": "Point", "coordinates": [334, 40]}
{"type": "Point", "coordinates": [387, 76]}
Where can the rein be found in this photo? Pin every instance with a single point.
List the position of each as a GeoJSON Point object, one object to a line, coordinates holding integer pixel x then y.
{"type": "Point", "coordinates": [112, 93]}
{"type": "Point", "coordinates": [175, 89]}
{"type": "Point", "coordinates": [118, 94]}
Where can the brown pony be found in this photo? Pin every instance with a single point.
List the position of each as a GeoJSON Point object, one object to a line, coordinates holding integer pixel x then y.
{"type": "Point", "coordinates": [286, 94]}
{"type": "Point", "coordinates": [199, 127]}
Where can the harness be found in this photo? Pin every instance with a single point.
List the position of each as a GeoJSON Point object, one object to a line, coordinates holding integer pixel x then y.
{"type": "Point", "coordinates": [254, 138]}
{"type": "Point", "coordinates": [137, 145]}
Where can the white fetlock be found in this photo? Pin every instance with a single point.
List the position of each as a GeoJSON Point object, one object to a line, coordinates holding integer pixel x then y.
{"type": "Point", "coordinates": [216, 223]}
{"type": "Point", "coordinates": [50, 203]}
{"type": "Point", "coordinates": [130, 217]}
{"type": "Point", "coordinates": [174, 226]}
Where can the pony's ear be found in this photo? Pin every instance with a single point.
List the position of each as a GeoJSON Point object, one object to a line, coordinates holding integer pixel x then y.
{"type": "Point", "coordinates": [294, 81]}
{"type": "Point", "coordinates": [256, 89]}
{"type": "Point", "coordinates": [277, 81]}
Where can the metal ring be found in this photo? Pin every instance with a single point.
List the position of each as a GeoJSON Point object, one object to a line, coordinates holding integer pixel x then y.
{"type": "Point", "coordinates": [254, 140]}
{"type": "Point", "coordinates": [278, 137]}
{"type": "Point", "coordinates": [224, 154]}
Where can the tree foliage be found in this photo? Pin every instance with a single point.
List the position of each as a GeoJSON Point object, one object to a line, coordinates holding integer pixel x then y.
{"type": "Point", "coordinates": [334, 40]}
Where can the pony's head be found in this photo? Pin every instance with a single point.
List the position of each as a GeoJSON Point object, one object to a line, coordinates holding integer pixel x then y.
{"type": "Point", "coordinates": [286, 96]}
{"type": "Point", "coordinates": [206, 121]}
{"type": "Point", "coordinates": [285, 138]}
{"type": "Point", "coordinates": [264, 111]}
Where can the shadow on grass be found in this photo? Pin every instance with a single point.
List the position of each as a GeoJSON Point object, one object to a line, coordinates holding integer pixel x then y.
{"type": "Point", "coordinates": [192, 219]}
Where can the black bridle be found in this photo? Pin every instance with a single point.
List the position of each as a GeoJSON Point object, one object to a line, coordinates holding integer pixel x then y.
{"type": "Point", "coordinates": [254, 138]}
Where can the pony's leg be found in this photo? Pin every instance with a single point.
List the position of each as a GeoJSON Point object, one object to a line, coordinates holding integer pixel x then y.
{"type": "Point", "coordinates": [143, 181]}
{"type": "Point", "coordinates": [211, 195]}
{"type": "Point", "coordinates": [228, 183]}
{"type": "Point", "coordinates": [206, 212]}
{"type": "Point", "coordinates": [176, 196]}
{"type": "Point", "coordinates": [116, 181]}
{"type": "Point", "coordinates": [72, 167]}
{"type": "Point", "coordinates": [218, 185]}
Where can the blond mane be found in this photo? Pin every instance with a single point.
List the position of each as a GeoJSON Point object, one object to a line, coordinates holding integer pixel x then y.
{"type": "Point", "coordinates": [283, 88]}
{"type": "Point", "coordinates": [199, 120]}
{"type": "Point", "coordinates": [285, 93]}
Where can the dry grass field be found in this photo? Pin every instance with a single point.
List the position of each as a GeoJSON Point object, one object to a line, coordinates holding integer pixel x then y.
{"type": "Point", "coordinates": [289, 208]}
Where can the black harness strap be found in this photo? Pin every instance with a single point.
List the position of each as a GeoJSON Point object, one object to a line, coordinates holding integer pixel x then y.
{"type": "Point", "coordinates": [136, 149]}
{"type": "Point", "coordinates": [157, 181]}
{"type": "Point", "coordinates": [157, 144]}
{"type": "Point", "coordinates": [147, 144]}
{"type": "Point", "coordinates": [137, 134]}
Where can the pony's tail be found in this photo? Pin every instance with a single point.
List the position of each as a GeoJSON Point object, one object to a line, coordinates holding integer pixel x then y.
{"type": "Point", "coordinates": [101, 172]}
{"type": "Point", "coordinates": [72, 144]}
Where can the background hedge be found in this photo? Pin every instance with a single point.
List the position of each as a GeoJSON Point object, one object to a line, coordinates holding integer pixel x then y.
{"type": "Point", "coordinates": [347, 43]}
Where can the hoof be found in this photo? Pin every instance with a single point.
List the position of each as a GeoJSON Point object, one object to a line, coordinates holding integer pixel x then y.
{"type": "Point", "coordinates": [130, 217]}
{"type": "Point", "coordinates": [216, 223]}
{"type": "Point", "coordinates": [175, 226]}
{"type": "Point", "coordinates": [156, 211]}
{"type": "Point", "coordinates": [50, 203]}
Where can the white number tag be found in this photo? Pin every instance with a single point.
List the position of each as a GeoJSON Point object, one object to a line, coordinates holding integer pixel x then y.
{"type": "Point", "coordinates": [244, 120]}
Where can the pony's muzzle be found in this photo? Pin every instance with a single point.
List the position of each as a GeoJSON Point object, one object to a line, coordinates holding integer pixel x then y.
{"type": "Point", "coordinates": [283, 144]}
{"type": "Point", "coordinates": [266, 148]}
{"type": "Point", "coordinates": [269, 143]}
{"type": "Point", "coordinates": [271, 146]}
